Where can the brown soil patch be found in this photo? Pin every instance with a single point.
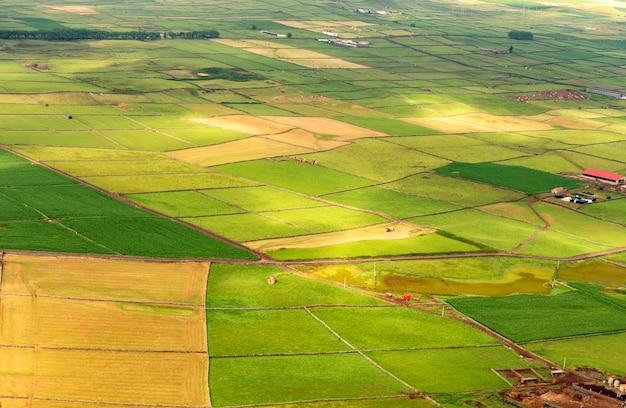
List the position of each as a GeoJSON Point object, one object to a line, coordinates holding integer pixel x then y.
{"type": "Point", "coordinates": [564, 397]}
{"type": "Point", "coordinates": [238, 150]}
{"type": "Point", "coordinates": [80, 10]}
{"type": "Point", "coordinates": [371, 233]}
{"type": "Point", "coordinates": [326, 126]}
{"type": "Point", "coordinates": [251, 125]}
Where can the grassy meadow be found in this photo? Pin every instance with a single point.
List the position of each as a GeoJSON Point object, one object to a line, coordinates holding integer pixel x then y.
{"type": "Point", "coordinates": [417, 159]}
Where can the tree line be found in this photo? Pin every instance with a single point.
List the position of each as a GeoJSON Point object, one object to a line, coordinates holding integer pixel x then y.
{"type": "Point", "coordinates": [75, 34]}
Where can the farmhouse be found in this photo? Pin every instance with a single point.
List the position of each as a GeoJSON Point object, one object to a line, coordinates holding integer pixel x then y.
{"type": "Point", "coordinates": [607, 92]}
{"type": "Point", "coordinates": [559, 192]}
{"type": "Point", "coordinates": [604, 177]}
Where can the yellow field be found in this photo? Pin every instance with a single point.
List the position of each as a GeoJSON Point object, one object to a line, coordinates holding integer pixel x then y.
{"type": "Point", "coordinates": [576, 123]}
{"type": "Point", "coordinates": [372, 232]}
{"type": "Point", "coordinates": [251, 125]}
{"type": "Point", "coordinates": [327, 126]}
{"type": "Point", "coordinates": [306, 139]}
{"type": "Point", "coordinates": [100, 330]}
{"type": "Point", "coordinates": [478, 122]}
{"type": "Point", "coordinates": [97, 278]}
{"type": "Point", "coordinates": [54, 322]}
{"type": "Point", "coordinates": [239, 150]}
{"type": "Point", "coordinates": [104, 376]}
{"type": "Point", "coordinates": [80, 10]}
{"type": "Point", "coordinates": [283, 52]}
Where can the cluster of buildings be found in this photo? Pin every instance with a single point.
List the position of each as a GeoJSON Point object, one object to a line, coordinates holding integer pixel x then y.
{"type": "Point", "coordinates": [342, 42]}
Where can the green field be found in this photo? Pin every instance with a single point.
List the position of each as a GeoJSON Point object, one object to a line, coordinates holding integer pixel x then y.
{"type": "Point", "coordinates": [593, 351]}
{"type": "Point", "coordinates": [433, 121]}
{"type": "Point", "coordinates": [516, 178]}
{"type": "Point", "coordinates": [524, 317]}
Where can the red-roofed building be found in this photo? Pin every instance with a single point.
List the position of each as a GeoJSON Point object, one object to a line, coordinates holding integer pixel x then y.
{"type": "Point", "coordinates": [604, 177]}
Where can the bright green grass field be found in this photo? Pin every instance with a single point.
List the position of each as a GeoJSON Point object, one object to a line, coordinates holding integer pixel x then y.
{"type": "Point", "coordinates": [263, 198]}
{"type": "Point", "coordinates": [325, 219]}
{"type": "Point", "coordinates": [165, 182]}
{"type": "Point", "coordinates": [393, 203]}
{"type": "Point", "coordinates": [292, 175]}
{"type": "Point", "coordinates": [558, 245]}
{"type": "Point", "coordinates": [183, 203]}
{"type": "Point", "coordinates": [493, 231]}
{"type": "Point", "coordinates": [517, 178]}
{"type": "Point", "coordinates": [391, 127]}
{"type": "Point", "coordinates": [52, 154]}
{"type": "Point", "coordinates": [451, 370]}
{"type": "Point", "coordinates": [127, 167]}
{"type": "Point", "coordinates": [153, 236]}
{"type": "Point", "coordinates": [45, 236]}
{"type": "Point", "coordinates": [576, 224]}
{"type": "Point", "coordinates": [613, 210]}
{"type": "Point", "coordinates": [234, 286]}
{"type": "Point", "coordinates": [550, 162]}
{"type": "Point", "coordinates": [71, 201]}
{"type": "Point", "coordinates": [423, 244]}
{"type": "Point", "coordinates": [246, 226]}
{"type": "Point", "coordinates": [241, 332]}
{"type": "Point", "coordinates": [536, 317]}
{"type": "Point", "coordinates": [377, 160]}
{"type": "Point", "coordinates": [605, 352]}
{"type": "Point", "coordinates": [398, 327]}
{"type": "Point", "coordinates": [263, 380]}
{"type": "Point", "coordinates": [456, 191]}
{"type": "Point", "coordinates": [144, 140]}
{"type": "Point", "coordinates": [12, 210]}
{"type": "Point", "coordinates": [70, 138]}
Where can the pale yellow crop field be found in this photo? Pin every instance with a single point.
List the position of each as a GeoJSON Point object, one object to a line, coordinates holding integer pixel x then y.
{"type": "Point", "coordinates": [104, 376]}
{"type": "Point", "coordinates": [239, 150]}
{"type": "Point", "coordinates": [251, 125]}
{"type": "Point", "coordinates": [327, 126]}
{"type": "Point", "coordinates": [479, 122]}
{"type": "Point", "coordinates": [55, 322]}
{"type": "Point", "coordinates": [80, 10]}
{"type": "Point", "coordinates": [99, 278]}
{"type": "Point", "coordinates": [77, 329]}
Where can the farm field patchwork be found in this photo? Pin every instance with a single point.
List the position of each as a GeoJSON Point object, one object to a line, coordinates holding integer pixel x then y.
{"type": "Point", "coordinates": [434, 149]}
{"type": "Point", "coordinates": [315, 343]}
{"type": "Point", "coordinates": [48, 358]}
{"type": "Point", "coordinates": [66, 216]}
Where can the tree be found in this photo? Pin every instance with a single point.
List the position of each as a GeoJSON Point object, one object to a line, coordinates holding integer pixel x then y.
{"type": "Point", "coordinates": [253, 27]}
{"type": "Point", "coordinates": [289, 35]}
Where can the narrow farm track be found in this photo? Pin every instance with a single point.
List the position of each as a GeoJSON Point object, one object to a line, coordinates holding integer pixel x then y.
{"type": "Point", "coordinates": [546, 226]}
